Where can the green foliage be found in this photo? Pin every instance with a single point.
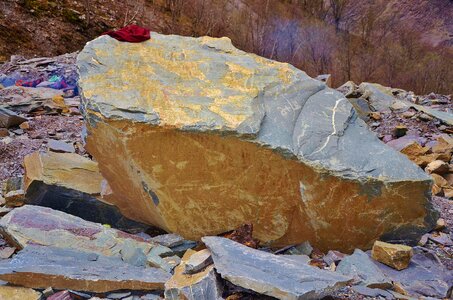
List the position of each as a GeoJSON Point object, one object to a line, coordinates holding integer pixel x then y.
{"type": "Point", "coordinates": [71, 16]}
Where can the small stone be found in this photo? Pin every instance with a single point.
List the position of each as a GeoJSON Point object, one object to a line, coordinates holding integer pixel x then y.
{"type": "Point", "coordinates": [439, 180]}
{"type": "Point", "coordinates": [181, 249]}
{"type": "Point", "coordinates": [24, 126]}
{"type": "Point", "coordinates": [48, 292]}
{"type": "Point", "coordinates": [4, 132]}
{"type": "Point", "coordinates": [133, 256]}
{"type": "Point", "coordinates": [168, 240]}
{"type": "Point", "coordinates": [423, 239]}
{"type": "Point", "coordinates": [18, 131]}
{"type": "Point", "coordinates": [4, 210]}
{"type": "Point", "coordinates": [441, 238]}
{"type": "Point", "coordinates": [18, 293]}
{"type": "Point", "coordinates": [302, 249]}
{"type": "Point", "coordinates": [15, 198]}
{"type": "Point", "coordinates": [440, 224]}
{"type": "Point", "coordinates": [425, 117]}
{"type": "Point", "coordinates": [333, 257]}
{"type": "Point", "coordinates": [173, 261]}
{"type": "Point", "coordinates": [408, 114]}
{"type": "Point", "coordinates": [118, 295]}
{"type": "Point", "coordinates": [62, 295]}
{"type": "Point", "coordinates": [7, 252]}
{"type": "Point", "coordinates": [436, 190]}
{"type": "Point", "coordinates": [198, 261]}
{"type": "Point", "coordinates": [375, 115]}
{"type": "Point", "coordinates": [438, 167]}
{"type": "Point", "coordinates": [399, 131]}
{"type": "Point", "coordinates": [372, 292]}
{"type": "Point", "coordinates": [448, 193]}
{"type": "Point", "coordinates": [394, 255]}
{"type": "Point", "coordinates": [59, 146]}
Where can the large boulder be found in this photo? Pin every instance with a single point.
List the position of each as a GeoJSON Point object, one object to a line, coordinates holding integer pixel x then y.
{"type": "Point", "coordinates": [198, 137]}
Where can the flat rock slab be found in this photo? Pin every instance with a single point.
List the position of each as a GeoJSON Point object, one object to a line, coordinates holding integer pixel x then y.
{"type": "Point", "coordinates": [71, 183]}
{"type": "Point", "coordinates": [31, 224]}
{"type": "Point", "coordinates": [425, 276]}
{"type": "Point", "coordinates": [41, 267]}
{"type": "Point", "coordinates": [197, 137]}
{"type": "Point", "coordinates": [60, 146]}
{"type": "Point", "coordinates": [269, 274]}
{"type": "Point", "coordinates": [28, 99]}
{"type": "Point", "coordinates": [365, 272]}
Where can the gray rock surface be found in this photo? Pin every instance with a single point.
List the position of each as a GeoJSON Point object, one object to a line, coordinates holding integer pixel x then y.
{"type": "Point", "coordinates": [41, 267]}
{"type": "Point", "coordinates": [198, 261]}
{"type": "Point", "coordinates": [361, 267]}
{"type": "Point", "coordinates": [60, 146]}
{"type": "Point", "coordinates": [202, 97]}
{"type": "Point", "coordinates": [270, 274]}
{"type": "Point", "coordinates": [426, 276]}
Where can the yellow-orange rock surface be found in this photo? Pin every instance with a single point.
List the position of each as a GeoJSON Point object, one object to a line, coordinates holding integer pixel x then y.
{"type": "Point", "coordinates": [198, 138]}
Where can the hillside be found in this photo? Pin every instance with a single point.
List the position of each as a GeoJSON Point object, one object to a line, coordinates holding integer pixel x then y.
{"type": "Point", "coordinates": [407, 44]}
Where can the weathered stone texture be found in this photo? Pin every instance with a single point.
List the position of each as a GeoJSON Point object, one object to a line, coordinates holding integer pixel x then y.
{"type": "Point", "coordinates": [269, 274]}
{"type": "Point", "coordinates": [41, 267]}
{"type": "Point", "coordinates": [198, 138]}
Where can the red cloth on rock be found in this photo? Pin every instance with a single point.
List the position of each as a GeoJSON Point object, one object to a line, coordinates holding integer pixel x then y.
{"type": "Point", "coordinates": [131, 34]}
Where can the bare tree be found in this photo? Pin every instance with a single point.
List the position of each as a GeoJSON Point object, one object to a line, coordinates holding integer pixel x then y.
{"type": "Point", "coordinates": [338, 8]}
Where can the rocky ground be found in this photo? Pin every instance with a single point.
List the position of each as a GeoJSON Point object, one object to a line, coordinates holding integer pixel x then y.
{"type": "Point", "coordinates": [48, 253]}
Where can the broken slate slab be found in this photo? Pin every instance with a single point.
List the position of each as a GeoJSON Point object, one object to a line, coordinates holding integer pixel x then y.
{"type": "Point", "coordinates": [426, 275]}
{"type": "Point", "coordinates": [364, 271]}
{"type": "Point", "coordinates": [31, 224]}
{"type": "Point", "coordinates": [40, 267]}
{"type": "Point", "coordinates": [73, 184]}
{"type": "Point", "coordinates": [270, 274]}
{"type": "Point", "coordinates": [60, 146]}
{"type": "Point", "coordinates": [168, 240]}
{"type": "Point", "coordinates": [198, 261]}
{"type": "Point", "coordinates": [9, 118]}
{"type": "Point", "coordinates": [200, 286]}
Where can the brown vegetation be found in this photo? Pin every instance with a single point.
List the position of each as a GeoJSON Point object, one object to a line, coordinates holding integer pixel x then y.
{"type": "Point", "coordinates": [347, 39]}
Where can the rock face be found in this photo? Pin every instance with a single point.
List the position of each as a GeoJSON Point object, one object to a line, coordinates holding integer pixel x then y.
{"type": "Point", "coordinates": [198, 138]}
{"type": "Point", "coordinates": [41, 267]}
{"type": "Point", "coordinates": [71, 183]}
{"type": "Point", "coordinates": [269, 274]}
